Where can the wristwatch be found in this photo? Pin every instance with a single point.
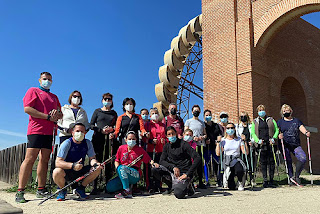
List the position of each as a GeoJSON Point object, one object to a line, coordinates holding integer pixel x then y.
{"type": "Point", "coordinates": [49, 116]}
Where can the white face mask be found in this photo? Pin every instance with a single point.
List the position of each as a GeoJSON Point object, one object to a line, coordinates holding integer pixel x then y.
{"type": "Point", "coordinates": [129, 107]}
{"type": "Point", "coordinates": [75, 100]}
{"type": "Point", "coordinates": [154, 117]}
{"type": "Point", "coordinates": [78, 136]}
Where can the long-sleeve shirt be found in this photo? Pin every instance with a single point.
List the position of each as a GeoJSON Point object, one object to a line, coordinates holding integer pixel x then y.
{"type": "Point", "coordinates": [180, 155]}
{"type": "Point", "coordinates": [157, 131]}
{"type": "Point", "coordinates": [125, 124]}
{"type": "Point", "coordinates": [101, 118]}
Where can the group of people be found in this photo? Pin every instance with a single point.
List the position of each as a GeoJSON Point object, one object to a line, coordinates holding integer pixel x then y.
{"type": "Point", "coordinates": [171, 151]}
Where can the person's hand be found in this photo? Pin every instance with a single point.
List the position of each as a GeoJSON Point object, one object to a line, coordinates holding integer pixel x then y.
{"type": "Point", "coordinates": [155, 165]}
{"type": "Point", "coordinates": [200, 138]}
{"type": "Point", "coordinates": [280, 136]}
{"type": "Point", "coordinates": [260, 142]}
{"type": "Point", "coordinates": [182, 177]}
{"type": "Point", "coordinates": [208, 141]}
{"type": "Point", "coordinates": [180, 136]}
{"type": "Point", "coordinates": [103, 131]}
{"type": "Point", "coordinates": [155, 141]}
{"type": "Point", "coordinates": [250, 143]}
{"type": "Point", "coordinates": [271, 141]}
{"type": "Point", "coordinates": [53, 115]}
{"type": "Point", "coordinates": [108, 129]}
{"type": "Point", "coordinates": [219, 138]}
{"type": "Point", "coordinates": [77, 166]}
{"type": "Point", "coordinates": [176, 172]}
{"type": "Point", "coordinates": [162, 140]}
{"type": "Point", "coordinates": [243, 137]}
{"type": "Point", "coordinates": [196, 139]}
{"type": "Point", "coordinates": [308, 134]}
{"type": "Point", "coordinates": [111, 136]}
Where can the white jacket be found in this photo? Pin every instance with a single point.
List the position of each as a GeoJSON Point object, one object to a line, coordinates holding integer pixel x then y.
{"type": "Point", "coordinates": [240, 128]}
{"type": "Point", "coordinates": [68, 119]}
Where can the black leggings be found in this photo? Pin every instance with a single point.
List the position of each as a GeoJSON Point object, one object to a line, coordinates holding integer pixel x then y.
{"type": "Point", "coordinates": [236, 170]}
{"type": "Point", "coordinates": [154, 183]}
{"type": "Point", "coordinates": [266, 158]}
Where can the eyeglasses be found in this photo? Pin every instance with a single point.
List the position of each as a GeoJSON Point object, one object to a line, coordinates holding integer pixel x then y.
{"type": "Point", "coordinates": [107, 98]}
{"type": "Point", "coordinates": [230, 127]}
{"type": "Point", "coordinates": [75, 96]}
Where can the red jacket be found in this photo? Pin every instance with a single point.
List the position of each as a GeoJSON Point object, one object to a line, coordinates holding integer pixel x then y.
{"type": "Point", "coordinates": [157, 131]}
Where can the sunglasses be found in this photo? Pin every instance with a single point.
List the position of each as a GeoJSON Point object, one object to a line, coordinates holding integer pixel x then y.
{"type": "Point", "coordinates": [106, 99]}
{"type": "Point", "coordinates": [75, 96]}
{"type": "Point", "coordinates": [230, 127]}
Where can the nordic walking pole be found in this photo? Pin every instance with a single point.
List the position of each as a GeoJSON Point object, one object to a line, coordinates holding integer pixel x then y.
{"type": "Point", "coordinates": [275, 161]}
{"type": "Point", "coordinates": [78, 179]}
{"type": "Point", "coordinates": [246, 155]}
{"type": "Point", "coordinates": [53, 157]}
{"type": "Point", "coordinates": [252, 169]}
{"type": "Point", "coordinates": [205, 168]}
{"type": "Point", "coordinates": [285, 160]}
{"type": "Point", "coordinates": [309, 154]}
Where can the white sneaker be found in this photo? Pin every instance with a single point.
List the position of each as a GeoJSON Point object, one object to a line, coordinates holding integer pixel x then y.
{"type": "Point", "coordinates": [240, 187]}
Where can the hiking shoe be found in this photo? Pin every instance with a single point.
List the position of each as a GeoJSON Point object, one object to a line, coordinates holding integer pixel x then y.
{"type": "Point", "coordinates": [272, 184]}
{"type": "Point", "coordinates": [42, 193]}
{"type": "Point", "coordinates": [265, 184]}
{"type": "Point", "coordinates": [167, 192]}
{"type": "Point", "coordinates": [81, 193]}
{"type": "Point", "coordinates": [123, 194]}
{"type": "Point", "coordinates": [202, 186]}
{"type": "Point", "coordinates": [298, 180]}
{"type": "Point", "coordinates": [95, 191]}
{"type": "Point", "coordinates": [62, 195]}
{"type": "Point", "coordinates": [20, 197]}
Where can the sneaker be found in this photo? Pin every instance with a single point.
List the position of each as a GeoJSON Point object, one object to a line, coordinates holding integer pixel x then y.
{"type": "Point", "coordinates": [20, 197]}
{"type": "Point", "coordinates": [81, 193]}
{"type": "Point", "coordinates": [272, 184]}
{"type": "Point", "coordinates": [240, 186]}
{"type": "Point", "coordinates": [62, 195]}
{"type": "Point", "coordinates": [123, 194]}
{"type": "Point", "coordinates": [42, 193]}
{"type": "Point", "coordinates": [202, 186]}
{"type": "Point", "coordinates": [167, 192]}
{"type": "Point", "coordinates": [298, 180]}
{"type": "Point", "coordinates": [95, 192]}
{"type": "Point", "coordinates": [265, 184]}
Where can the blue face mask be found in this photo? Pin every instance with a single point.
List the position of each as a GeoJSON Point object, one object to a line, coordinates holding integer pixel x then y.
{"type": "Point", "coordinates": [262, 113]}
{"type": "Point", "coordinates": [224, 120]}
{"type": "Point", "coordinates": [131, 143]}
{"type": "Point", "coordinates": [106, 104]}
{"type": "Point", "coordinates": [46, 84]}
{"type": "Point", "coordinates": [144, 117]}
{"type": "Point", "coordinates": [208, 118]}
{"type": "Point", "coordinates": [230, 131]}
{"type": "Point", "coordinates": [172, 139]}
{"type": "Point", "coordinates": [187, 138]}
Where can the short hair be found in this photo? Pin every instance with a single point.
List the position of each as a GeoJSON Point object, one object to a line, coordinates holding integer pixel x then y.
{"type": "Point", "coordinates": [126, 100]}
{"type": "Point", "coordinates": [144, 109]}
{"type": "Point", "coordinates": [70, 97]}
{"type": "Point", "coordinates": [205, 111]}
{"type": "Point", "coordinates": [261, 107]}
{"type": "Point", "coordinates": [170, 128]}
{"type": "Point", "coordinates": [78, 124]}
{"type": "Point", "coordinates": [283, 107]}
{"type": "Point", "coordinates": [46, 73]}
{"type": "Point", "coordinates": [110, 95]}
{"type": "Point", "coordinates": [195, 106]}
{"type": "Point", "coordinates": [187, 130]}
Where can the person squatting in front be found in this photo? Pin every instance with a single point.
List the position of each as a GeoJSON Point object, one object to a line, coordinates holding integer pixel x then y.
{"type": "Point", "coordinates": [176, 167]}
{"type": "Point", "coordinates": [289, 127]}
{"type": "Point", "coordinates": [264, 131]}
{"type": "Point", "coordinates": [70, 162]}
{"type": "Point", "coordinates": [233, 165]}
{"type": "Point", "coordinates": [127, 176]}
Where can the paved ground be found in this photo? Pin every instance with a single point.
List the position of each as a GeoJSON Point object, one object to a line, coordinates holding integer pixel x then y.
{"type": "Point", "coordinates": [278, 200]}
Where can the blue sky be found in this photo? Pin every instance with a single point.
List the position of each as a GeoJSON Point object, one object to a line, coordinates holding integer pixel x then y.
{"type": "Point", "coordinates": [91, 46]}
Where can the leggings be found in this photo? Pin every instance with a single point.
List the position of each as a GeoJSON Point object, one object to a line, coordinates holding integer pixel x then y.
{"type": "Point", "coordinates": [266, 158]}
{"type": "Point", "coordinates": [301, 157]}
{"type": "Point", "coordinates": [126, 176]}
{"type": "Point", "coordinates": [236, 170]}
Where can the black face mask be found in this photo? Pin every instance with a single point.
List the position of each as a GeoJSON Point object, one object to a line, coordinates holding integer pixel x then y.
{"type": "Point", "coordinates": [173, 111]}
{"type": "Point", "coordinates": [287, 114]}
{"type": "Point", "coordinates": [196, 113]}
{"type": "Point", "coordinates": [244, 119]}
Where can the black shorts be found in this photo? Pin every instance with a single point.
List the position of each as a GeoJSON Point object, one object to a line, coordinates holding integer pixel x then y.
{"type": "Point", "coordinates": [73, 175]}
{"type": "Point", "coordinates": [40, 141]}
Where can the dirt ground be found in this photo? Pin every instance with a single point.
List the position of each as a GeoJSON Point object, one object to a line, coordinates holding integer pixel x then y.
{"type": "Point", "coordinates": [279, 200]}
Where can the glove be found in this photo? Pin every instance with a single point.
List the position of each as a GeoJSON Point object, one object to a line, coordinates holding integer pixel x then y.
{"type": "Point", "coordinates": [260, 142]}
{"type": "Point", "coordinates": [272, 140]}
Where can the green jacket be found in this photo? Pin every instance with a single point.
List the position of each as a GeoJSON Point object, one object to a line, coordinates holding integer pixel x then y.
{"type": "Point", "coordinates": [273, 128]}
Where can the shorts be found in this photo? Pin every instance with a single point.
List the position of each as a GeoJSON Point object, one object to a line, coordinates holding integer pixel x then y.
{"type": "Point", "coordinates": [39, 141]}
{"type": "Point", "coordinates": [72, 175]}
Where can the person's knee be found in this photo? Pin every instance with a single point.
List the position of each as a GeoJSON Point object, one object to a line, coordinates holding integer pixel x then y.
{"type": "Point", "coordinates": [58, 173]}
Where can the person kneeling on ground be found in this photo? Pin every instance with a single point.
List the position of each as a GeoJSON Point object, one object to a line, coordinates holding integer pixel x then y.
{"type": "Point", "coordinates": [230, 147]}
{"type": "Point", "coordinates": [126, 154]}
{"type": "Point", "coordinates": [70, 162]}
{"type": "Point", "coordinates": [176, 167]}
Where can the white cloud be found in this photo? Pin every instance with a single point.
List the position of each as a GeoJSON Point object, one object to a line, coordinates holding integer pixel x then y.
{"type": "Point", "coordinates": [16, 134]}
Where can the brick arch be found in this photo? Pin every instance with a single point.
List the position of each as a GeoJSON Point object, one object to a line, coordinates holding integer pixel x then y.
{"type": "Point", "coordinates": [278, 16]}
